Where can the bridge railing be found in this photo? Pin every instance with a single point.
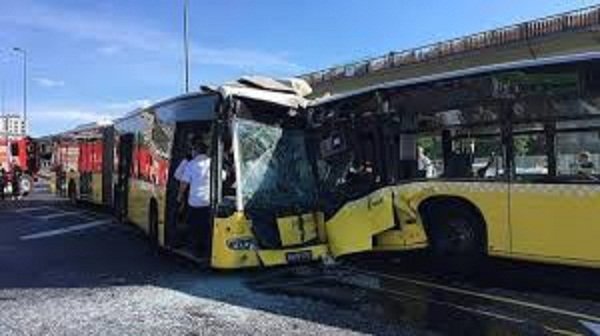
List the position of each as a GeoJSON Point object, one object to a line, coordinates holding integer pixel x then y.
{"type": "Point", "coordinates": [569, 21]}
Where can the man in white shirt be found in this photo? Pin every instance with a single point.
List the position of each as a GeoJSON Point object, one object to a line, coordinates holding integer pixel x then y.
{"type": "Point", "coordinates": [196, 180]}
{"type": "Point", "coordinates": [181, 168]}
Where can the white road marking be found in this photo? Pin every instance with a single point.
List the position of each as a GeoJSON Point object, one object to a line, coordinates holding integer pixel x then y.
{"type": "Point", "coordinates": [61, 214]}
{"type": "Point", "coordinates": [422, 283]}
{"type": "Point", "coordinates": [593, 327]}
{"type": "Point", "coordinates": [32, 209]}
{"type": "Point", "coordinates": [69, 229]}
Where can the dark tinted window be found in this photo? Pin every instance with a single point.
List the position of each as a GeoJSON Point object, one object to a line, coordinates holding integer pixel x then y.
{"type": "Point", "coordinates": [188, 109]}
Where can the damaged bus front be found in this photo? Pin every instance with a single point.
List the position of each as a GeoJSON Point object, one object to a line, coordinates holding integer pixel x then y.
{"type": "Point", "coordinates": [267, 210]}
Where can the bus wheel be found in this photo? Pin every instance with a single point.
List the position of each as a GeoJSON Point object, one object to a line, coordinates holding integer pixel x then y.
{"type": "Point", "coordinates": [456, 239]}
{"type": "Point", "coordinates": [153, 224]}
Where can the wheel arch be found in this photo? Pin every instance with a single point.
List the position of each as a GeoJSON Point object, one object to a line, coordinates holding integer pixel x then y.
{"type": "Point", "coordinates": [427, 211]}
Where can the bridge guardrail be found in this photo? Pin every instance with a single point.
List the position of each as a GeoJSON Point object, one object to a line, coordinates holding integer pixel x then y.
{"type": "Point", "coordinates": [569, 21]}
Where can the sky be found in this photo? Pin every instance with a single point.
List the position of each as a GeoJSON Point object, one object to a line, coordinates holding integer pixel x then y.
{"type": "Point", "coordinates": [93, 60]}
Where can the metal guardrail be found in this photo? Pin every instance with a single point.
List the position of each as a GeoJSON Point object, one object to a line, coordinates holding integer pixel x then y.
{"type": "Point", "coordinates": [569, 21]}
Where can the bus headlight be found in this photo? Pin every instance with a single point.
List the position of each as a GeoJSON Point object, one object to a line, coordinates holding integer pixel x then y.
{"type": "Point", "coordinates": [242, 243]}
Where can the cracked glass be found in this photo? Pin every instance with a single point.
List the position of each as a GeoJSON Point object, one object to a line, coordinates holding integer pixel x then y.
{"type": "Point", "coordinates": [274, 167]}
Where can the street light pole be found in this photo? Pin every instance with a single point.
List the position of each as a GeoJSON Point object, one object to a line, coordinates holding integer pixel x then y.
{"type": "Point", "coordinates": [23, 52]}
{"type": "Point", "coordinates": [186, 47]}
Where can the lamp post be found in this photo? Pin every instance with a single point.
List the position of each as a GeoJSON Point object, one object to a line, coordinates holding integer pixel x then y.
{"type": "Point", "coordinates": [23, 53]}
{"type": "Point", "coordinates": [186, 47]}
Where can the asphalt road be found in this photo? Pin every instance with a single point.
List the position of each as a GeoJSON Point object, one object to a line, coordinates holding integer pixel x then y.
{"type": "Point", "coordinates": [73, 271]}
{"type": "Point", "coordinates": [68, 270]}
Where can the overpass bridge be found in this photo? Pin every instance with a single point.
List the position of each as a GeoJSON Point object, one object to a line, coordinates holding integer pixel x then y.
{"type": "Point", "coordinates": [570, 32]}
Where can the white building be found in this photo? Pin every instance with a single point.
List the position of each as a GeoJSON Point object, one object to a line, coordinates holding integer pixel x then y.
{"type": "Point", "coordinates": [12, 124]}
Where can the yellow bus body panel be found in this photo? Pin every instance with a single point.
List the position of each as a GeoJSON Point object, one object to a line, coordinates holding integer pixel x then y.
{"type": "Point", "coordinates": [52, 181]}
{"type": "Point", "coordinates": [556, 221]}
{"type": "Point", "coordinates": [238, 226]}
{"type": "Point", "coordinates": [225, 229]}
{"type": "Point", "coordinates": [491, 198]}
{"type": "Point", "coordinates": [352, 228]}
{"type": "Point", "coordinates": [296, 230]}
{"type": "Point", "coordinates": [96, 196]}
{"type": "Point", "coordinates": [551, 223]}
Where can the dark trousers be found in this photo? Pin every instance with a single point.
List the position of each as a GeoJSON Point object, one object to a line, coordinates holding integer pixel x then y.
{"type": "Point", "coordinates": [199, 227]}
{"type": "Point", "coordinates": [2, 191]}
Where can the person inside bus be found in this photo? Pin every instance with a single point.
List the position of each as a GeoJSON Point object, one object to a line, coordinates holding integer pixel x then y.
{"type": "Point", "coordinates": [482, 172]}
{"type": "Point", "coordinates": [585, 166]}
{"type": "Point", "coordinates": [3, 179]}
{"type": "Point", "coordinates": [181, 209]}
{"type": "Point", "coordinates": [424, 164]}
{"type": "Point", "coordinates": [196, 180]}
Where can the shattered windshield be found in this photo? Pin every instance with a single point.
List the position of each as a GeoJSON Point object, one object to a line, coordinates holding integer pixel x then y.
{"type": "Point", "coordinates": [275, 170]}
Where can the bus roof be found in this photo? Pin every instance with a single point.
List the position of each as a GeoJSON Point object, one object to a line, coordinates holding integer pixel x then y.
{"type": "Point", "coordinates": [555, 60]}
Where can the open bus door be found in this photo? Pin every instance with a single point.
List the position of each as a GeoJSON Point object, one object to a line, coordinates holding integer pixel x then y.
{"type": "Point", "coordinates": [125, 156]}
{"type": "Point", "coordinates": [178, 230]}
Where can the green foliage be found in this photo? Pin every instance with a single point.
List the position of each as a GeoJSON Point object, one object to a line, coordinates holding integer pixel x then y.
{"type": "Point", "coordinates": [431, 145]}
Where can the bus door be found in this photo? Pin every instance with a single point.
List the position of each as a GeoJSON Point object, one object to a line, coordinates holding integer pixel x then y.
{"type": "Point", "coordinates": [125, 153]}
{"type": "Point", "coordinates": [186, 133]}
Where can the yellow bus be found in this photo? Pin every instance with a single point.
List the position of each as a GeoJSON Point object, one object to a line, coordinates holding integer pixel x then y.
{"type": "Point", "coordinates": [81, 162]}
{"type": "Point", "coordinates": [499, 160]}
{"type": "Point", "coordinates": [262, 191]}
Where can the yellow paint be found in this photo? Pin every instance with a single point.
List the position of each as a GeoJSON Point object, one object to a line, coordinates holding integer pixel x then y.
{"type": "Point", "coordinates": [352, 228]}
{"type": "Point", "coordinates": [96, 196]}
{"type": "Point", "coordinates": [554, 221]}
{"type": "Point", "coordinates": [52, 182]}
{"type": "Point", "coordinates": [161, 200]}
{"type": "Point", "coordinates": [238, 227]}
{"type": "Point", "coordinates": [296, 230]}
{"type": "Point", "coordinates": [491, 198]}
{"type": "Point", "coordinates": [408, 238]}
{"type": "Point", "coordinates": [225, 229]}
{"type": "Point", "coordinates": [139, 196]}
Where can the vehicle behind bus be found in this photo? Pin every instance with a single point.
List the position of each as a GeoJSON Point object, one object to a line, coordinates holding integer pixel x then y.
{"type": "Point", "coordinates": [82, 164]}
{"type": "Point", "coordinates": [19, 158]}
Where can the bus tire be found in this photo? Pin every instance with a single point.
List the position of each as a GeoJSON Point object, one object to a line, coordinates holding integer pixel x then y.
{"type": "Point", "coordinates": [72, 192]}
{"type": "Point", "coordinates": [153, 224]}
{"type": "Point", "coordinates": [456, 235]}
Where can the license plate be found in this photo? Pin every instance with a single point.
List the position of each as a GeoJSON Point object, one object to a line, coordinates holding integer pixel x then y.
{"type": "Point", "coordinates": [298, 257]}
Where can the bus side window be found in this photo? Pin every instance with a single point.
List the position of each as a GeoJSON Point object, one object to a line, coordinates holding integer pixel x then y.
{"type": "Point", "coordinates": [577, 155]}
{"type": "Point", "coordinates": [530, 158]}
{"type": "Point", "coordinates": [429, 157]}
